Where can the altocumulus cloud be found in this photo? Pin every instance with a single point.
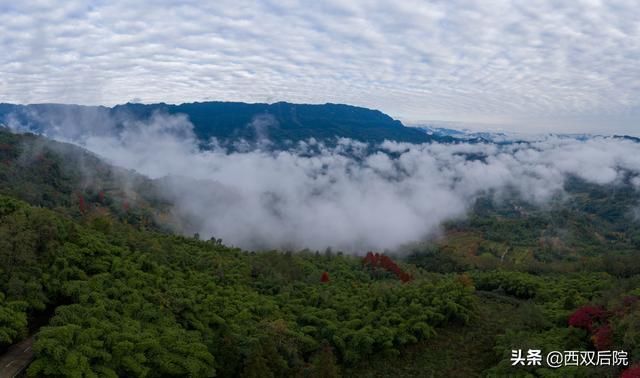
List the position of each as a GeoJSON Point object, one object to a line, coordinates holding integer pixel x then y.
{"type": "Point", "coordinates": [540, 64]}
{"type": "Point", "coordinates": [343, 196]}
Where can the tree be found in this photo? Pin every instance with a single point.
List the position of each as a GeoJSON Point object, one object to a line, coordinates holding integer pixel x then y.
{"type": "Point", "coordinates": [587, 317]}
{"type": "Point", "coordinates": [13, 321]}
{"type": "Point", "coordinates": [324, 364]}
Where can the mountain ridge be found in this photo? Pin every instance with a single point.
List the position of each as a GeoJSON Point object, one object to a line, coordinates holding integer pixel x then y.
{"type": "Point", "coordinates": [280, 122]}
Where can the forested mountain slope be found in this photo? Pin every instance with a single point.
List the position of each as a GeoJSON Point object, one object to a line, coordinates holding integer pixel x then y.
{"type": "Point", "coordinates": [594, 227]}
{"type": "Point", "coordinates": [125, 297]}
{"type": "Point", "coordinates": [144, 304]}
{"type": "Point", "coordinates": [76, 182]}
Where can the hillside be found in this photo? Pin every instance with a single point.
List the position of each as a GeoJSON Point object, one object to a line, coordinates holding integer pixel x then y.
{"type": "Point", "coordinates": [595, 228]}
{"type": "Point", "coordinates": [136, 303]}
{"type": "Point", "coordinates": [279, 122]}
{"type": "Point", "coordinates": [76, 182]}
{"type": "Point", "coordinates": [121, 298]}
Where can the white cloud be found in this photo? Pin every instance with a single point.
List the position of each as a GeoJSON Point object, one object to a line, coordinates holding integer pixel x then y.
{"type": "Point", "coordinates": [339, 196]}
{"type": "Point", "coordinates": [542, 64]}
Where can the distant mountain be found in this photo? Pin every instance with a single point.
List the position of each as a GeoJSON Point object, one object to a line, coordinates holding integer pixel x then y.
{"type": "Point", "coordinates": [464, 134]}
{"type": "Point", "coordinates": [461, 134]}
{"type": "Point", "coordinates": [441, 131]}
{"type": "Point", "coordinates": [279, 122]}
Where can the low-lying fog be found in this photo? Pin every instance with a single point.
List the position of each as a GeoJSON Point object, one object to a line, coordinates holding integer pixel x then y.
{"type": "Point", "coordinates": [343, 196]}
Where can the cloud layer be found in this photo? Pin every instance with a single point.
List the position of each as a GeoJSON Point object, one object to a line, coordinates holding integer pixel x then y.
{"type": "Point", "coordinates": [548, 65]}
{"type": "Point", "coordinates": [343, 196]}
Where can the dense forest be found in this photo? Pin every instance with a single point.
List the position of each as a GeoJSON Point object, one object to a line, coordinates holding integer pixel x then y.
{"type": "Point", "coordinates": [122, 295]}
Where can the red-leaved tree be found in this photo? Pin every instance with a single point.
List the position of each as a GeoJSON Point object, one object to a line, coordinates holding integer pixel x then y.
{"type": "Point", "coordinates": [81, 204]}
{"type": "Point", "coordinates": [603, 337]}
{"type": "Point", "coordinates": [632, 372]}
{"type": "Point", "coordinates": [586, 317]}
{"type": "Point", "coordinates": [376, 260]}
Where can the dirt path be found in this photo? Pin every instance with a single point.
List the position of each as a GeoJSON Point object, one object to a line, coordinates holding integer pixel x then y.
{"type": "Point", "coordinates": [17, 358]}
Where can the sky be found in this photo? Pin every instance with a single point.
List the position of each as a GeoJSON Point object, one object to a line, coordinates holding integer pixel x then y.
{"type": "Point", "coordinates": [562, 66]}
